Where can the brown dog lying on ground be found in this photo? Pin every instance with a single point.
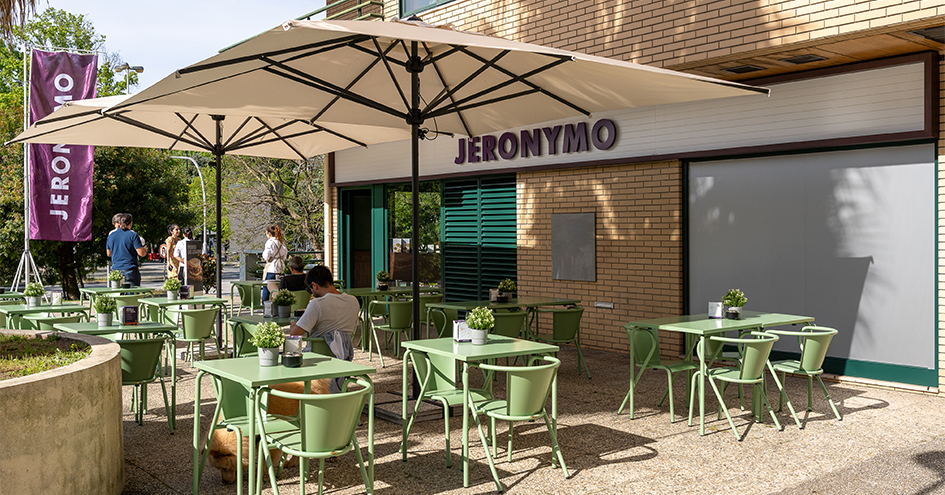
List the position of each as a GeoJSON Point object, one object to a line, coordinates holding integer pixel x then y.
{"type": "Point", "coordinates": [222, 454]}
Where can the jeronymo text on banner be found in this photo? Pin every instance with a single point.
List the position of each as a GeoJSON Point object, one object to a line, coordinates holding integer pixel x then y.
{"type": "Point", "coordinates": [61, 174]}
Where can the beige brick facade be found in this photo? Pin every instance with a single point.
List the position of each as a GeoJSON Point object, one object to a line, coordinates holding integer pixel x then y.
{"type": "Point", "coordinates": [639, 206]}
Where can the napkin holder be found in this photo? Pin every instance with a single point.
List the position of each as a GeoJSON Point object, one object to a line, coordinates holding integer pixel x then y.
{"type": "Point", "coordinates": [185, 292]}
{"type": "Point", "coordinates": [715, 310]}
{"type": "Point", "coordinates": [269, 309]}
{"type": "Point", "coordinates": [461, 331]}
{"type": "Point", "coordinates": [128, 315]}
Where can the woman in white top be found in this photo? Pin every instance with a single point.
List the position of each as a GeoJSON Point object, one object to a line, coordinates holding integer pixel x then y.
{"type": "Point", "coordinates": [180, 252]}
{"type": "Point", "coordinates": [275, 254]}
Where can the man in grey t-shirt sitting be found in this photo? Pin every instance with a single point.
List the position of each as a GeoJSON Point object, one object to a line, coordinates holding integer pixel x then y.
{"type": "Point", "coordinates": [330, 314]}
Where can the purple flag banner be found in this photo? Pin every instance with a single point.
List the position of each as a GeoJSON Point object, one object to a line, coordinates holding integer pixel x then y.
{"type": "Point", "coordinates": [60, 174]}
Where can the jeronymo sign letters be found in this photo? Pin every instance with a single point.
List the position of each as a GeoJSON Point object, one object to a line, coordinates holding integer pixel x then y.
{"type": "Point", "coordinates": [573, 138]}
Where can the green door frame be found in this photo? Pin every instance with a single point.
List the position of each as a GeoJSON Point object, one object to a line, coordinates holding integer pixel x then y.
{"type": "Point", "coordinates": [378, 229]}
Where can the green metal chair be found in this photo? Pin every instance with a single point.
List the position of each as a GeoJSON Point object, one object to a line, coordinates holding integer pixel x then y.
{"type": "Point", "coordinates": [754, 348]}
{"type": "Point", "coordinates": [646, 356]}
{"type": "Point", "coordinates": [250, 298]}
{"type": "Point", "coordinates": [302, 298]}
{"type": "Point", "coordinates": [326, 428]}
{"type": "Point", "coordinates": [527, 389]}
{"type": "Point", "coordinates": [196, 325]}
{"type": "Point", "coordinates": [424, 300]}
{"type": "Point", "coordinates": [813, 341]}
{"type": "Point", "coordinates": [437, 378]}
{"type": "Point", "coordinates": [509, 324]}
{"type": "Point", "coordinates": [565, 329]}
{"type": "Point", "coordinates": [400, 321]}
{"type": "Point", "coordinates": [442, 320]}
{"type": "Point", "coordinates": [139, 367]}
{"type": "Point", "coordinates": [127, 300]}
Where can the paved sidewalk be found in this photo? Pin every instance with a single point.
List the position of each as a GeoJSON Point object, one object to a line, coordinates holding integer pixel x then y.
{"type": "Point", "coordinates": [889, 442]}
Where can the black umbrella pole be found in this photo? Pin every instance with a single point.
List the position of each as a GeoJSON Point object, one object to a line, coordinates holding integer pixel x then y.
{"type": "Point", "coordinates": [218, 153]}
{"type": "Point", "coordinates": [415, 194]}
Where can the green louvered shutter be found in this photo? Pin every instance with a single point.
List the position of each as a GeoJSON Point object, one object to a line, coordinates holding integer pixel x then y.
{"type": "Point", "coordinates": [479, 237]}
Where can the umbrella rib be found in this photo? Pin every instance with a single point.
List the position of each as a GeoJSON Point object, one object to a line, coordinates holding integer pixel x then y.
{"type": "Point", "coordinates": [288, 144]}
{"type": "Point", "coordinates": [239, 128]}
{"type": "Point", "coordinates": [59, 129]}
{"type": "Point", "coordinates": [499, 99]}
{"type": "Point", "coordinates": [523, 79]}
{"type": "Point", "coordinates": [353, 81]}
{"type": "Point", "coordinates": [161, 132]}
{"type": "Point", "coordinates": [333, 43]}
{"type": "Point", "coordinates": [188, 125]}
{"type": "Point", "coordinates": [383, 56]}
{"type": "Point", "coordinates": [327, 87]}
{"type": "Point", "coordinates": [449, 94]}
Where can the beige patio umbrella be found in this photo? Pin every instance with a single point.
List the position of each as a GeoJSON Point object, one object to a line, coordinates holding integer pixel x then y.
{"type": "Point", "coordinates": [363, 72]}
{"type": "Point", "coordinates": [90, 122]}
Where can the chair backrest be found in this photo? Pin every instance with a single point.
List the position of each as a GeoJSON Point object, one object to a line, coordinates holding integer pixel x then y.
{"type": "Point", "coordinates": [319, 346]}
{"type": "Point", "coordinates": [814, 342]}
{"type": "Point", "coordinates": [302, 298]}
{"type": "Point", "coordinates": [139, 359]}
{"type": "Point", "coordinates": [400, 313]}
{"type": "Point", "coordinates": [509, 324]}
{"type": "Point", "coordinates": [197, 323]}
{"type": "Point", "coordinates": [646, 347]}
{"type": "Point", "coordinates": [566, 322]}
{"type": "Point", "coordinates": [756, 347]}
{"type": "Point", "coordinates": [428, 299]}
{"type": "Point", "coordinates": [527, 387]}
{"type": "Point", "coordinates": [376, 309]}
{"type": "Point", "coordinates": [438, 368]}
{"type": "Point", "coordinates": [443, 321]}
{"type": "Point", "coordinates": [328, 421]}
{"type": "Point", "coordinates": [249, 296]}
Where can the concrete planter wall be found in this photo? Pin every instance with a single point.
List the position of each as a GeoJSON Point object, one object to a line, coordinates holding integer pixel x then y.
{"type": "Point", "coordinates": [62, 429]}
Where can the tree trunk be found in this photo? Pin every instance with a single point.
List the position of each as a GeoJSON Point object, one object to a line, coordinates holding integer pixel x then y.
{"type": "Point", "coordinates": [70, 285]}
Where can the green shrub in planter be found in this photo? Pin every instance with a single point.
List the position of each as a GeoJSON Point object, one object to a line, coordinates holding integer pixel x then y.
{"type": "Point", "coordinates": [268, 335]}
{"type": "Point", "coordinates": [172, 285]}
{"type": "Point", "coordinates": [105, 304]}
{"type": "Point", "coordinates": [480, 319]}
{"type": "Point", "coordinates": [34, 289]}
{"type": "Point", "coordinates": [116, 275]}
{"type": "Point", "coordinates": [734, 298]}
{"type": "Point", "coordinates": [383, 276]}
{"type": "Point", "coordinates": [507, 285]}
{"type": "Point", "coordinates": [284, 297]}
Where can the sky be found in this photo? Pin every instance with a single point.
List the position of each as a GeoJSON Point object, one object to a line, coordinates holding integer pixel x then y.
{"type": "Point", "coordinates": [168, 35]}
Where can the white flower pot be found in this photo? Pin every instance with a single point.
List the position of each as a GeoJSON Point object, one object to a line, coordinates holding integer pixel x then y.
{"type": "Point", "coordinates": [172, 295]}
{"type": "Point", "coordinates": [268, 356]}
{"type": "Point", "coordinates": [479, 337]}
{"type": "Point", "coordinates": [32, 301]}
{"type": "Point", "coordinates": [104, 319]}
{"type": "Point", "coordinates": [285, 311]}
{"type": "Point", "coordinates": [114, 284]}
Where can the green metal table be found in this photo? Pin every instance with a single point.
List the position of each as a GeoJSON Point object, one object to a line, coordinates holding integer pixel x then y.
{"type": "Point", "coordinates": [702, 326]}
{"type": "Point", "coordinates": [91, 293]}
{"type": "Point", "coordinates": [496, 347]}
{"type": "Point", "coordinates": [529, 303]}
{"type": "Point", "coordinates": [144, 327]}
{"type": "Point", "coordinates": [13, 313]}
{"type": "Point", "coordinates": [247, 372]}
{"type": "Point", "coordinates": [8, 295]}
{"type": "Point", "coordinates": [159, 305]}
{"type": "Point", "coordinates": [368, 294]}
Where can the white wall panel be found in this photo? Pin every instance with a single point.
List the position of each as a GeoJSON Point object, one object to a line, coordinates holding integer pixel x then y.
{"type": "Point", "coordinates": [879, 101]}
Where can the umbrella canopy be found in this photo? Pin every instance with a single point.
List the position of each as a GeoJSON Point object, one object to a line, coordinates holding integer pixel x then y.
{"type": "Point", "coordinates": [362, 72]}
{"type": "Point", "coordinates": [90, 122]}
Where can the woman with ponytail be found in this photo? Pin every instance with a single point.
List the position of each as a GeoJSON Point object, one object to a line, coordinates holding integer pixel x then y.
{"type": "Point", "coordinates": [275, 254]}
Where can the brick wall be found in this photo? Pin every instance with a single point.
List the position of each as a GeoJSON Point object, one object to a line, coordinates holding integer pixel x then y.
{"type": "Point", "coordinates": [639, 244]}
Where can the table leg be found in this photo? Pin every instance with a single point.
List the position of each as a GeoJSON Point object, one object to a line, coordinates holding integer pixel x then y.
{"type": "Point", "coordinates": [370, 489]}
{"type": "Point", "coordinates": [466, 425]}
{"type": "Point", "coordinates": [251, 434]}
{"type": "Point", "coordinates": [197, 432]}
{"type": "Point", "coordinates": [173, 418]}
{"type": "Point", "coordinates": [702, 378]}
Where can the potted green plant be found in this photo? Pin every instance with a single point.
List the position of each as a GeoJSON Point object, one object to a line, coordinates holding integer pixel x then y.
{"type": "Point", "coordinates": [734, 300]}
{"type": "Point", "coordinates": [284, 299]}
{"type": "Point", "coordinates": [114, 279]}
{"type": "Point", "coordinates": [506, 289]}
{"type": "Point", "coordinates": [105, 307]}
{"type": "Point", "coordinates": [480, 320]}
{"type": "Point", "coordinates": [268, 338]}
{"type": "Point", "coordinates": [383, 277]}
{"type": "Point", "coordinates": [172, 285]}
{"type": "Point", "coordinates": [34, 292]}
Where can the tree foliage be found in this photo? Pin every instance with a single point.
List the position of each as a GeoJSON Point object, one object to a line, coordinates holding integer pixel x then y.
{"type": "Point", "coordinates": [145, 183]}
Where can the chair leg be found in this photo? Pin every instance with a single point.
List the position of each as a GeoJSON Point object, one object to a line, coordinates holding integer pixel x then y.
{"type": "Point", "coordinates": [321, 475]}
{"type": "Point", "coordinates": [555, 448]}
{"type": "Point", "coordinates": [759, 388]}
{"type": "Point", "coordinates": [829, 400]}
{"type": "Point", "coordinates": [783, 395]}
{"type": "Point", "coordinates": [511, 430]}
{"type": "Point", "coordinates": [485, 448]}
{"type": "Point", "coordinates": [368, 484]}
{"type": "Point", "coordinates": [446, 426]}
{"type": "Point", "coordinates": [724, 408]}
{"type": "Point", "coordinates": [692, 393]}
{"type": "Point", "coordinates": [810, 393]}
{"type": "Point", "coordinates": [581, 360]}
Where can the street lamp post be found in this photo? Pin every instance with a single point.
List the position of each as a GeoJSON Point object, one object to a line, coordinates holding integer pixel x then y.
{"type": "Point", "coordinates": [203, 188]}
{"type": "Point", "coordinates": [127, 70]}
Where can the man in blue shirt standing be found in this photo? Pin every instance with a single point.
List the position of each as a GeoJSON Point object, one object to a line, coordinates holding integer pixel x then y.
{"type": "Point", "coordinates": [124, 246]}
